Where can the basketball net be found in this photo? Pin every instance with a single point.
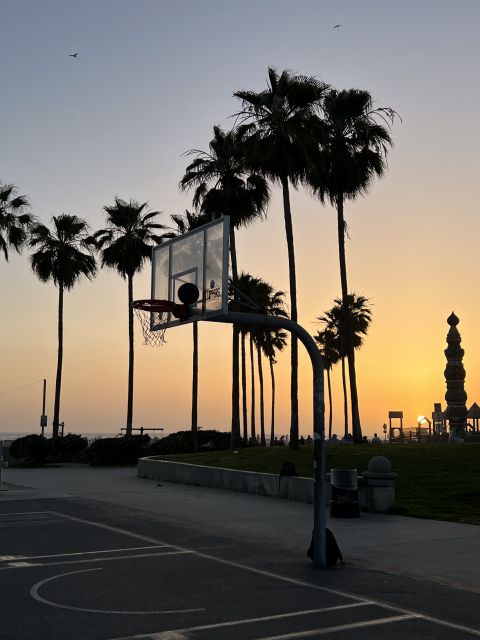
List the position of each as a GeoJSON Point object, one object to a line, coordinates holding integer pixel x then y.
{"type": "Point", "coordinates": [149, 319]}
{"type": "Point", "coordinates": [154, 313]}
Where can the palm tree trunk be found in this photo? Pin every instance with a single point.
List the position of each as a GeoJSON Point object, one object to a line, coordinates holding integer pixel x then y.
{"type": "Point", "coordinates": [356, 426]}
{"type": "Point", "coordinates": [244, 391]}
{"type": "Point", "coordinates": [272, 420]}
{"type": "Point", "coordinates": [128, 431]}
{"type": "Point", "coordinates": [262, 404]}
{"type": "Point", "coordinates": [329, 404]}
{"type": "Point", "coordinates": [58, 381]}
{"type": "Point", "coordinates": [235, 438]}
{"type": "Point", "coordinates": [252, 393]}
{"type": "Point", "coordinates": [345, 402]}
{"type": "Point", "coordinates": [293, 315]}
{"type": "Point", "coordinates": [195, 387]}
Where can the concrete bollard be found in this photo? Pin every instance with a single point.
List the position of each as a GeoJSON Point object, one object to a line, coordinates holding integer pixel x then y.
{"type": "Point", "coordinates": [379, 485]}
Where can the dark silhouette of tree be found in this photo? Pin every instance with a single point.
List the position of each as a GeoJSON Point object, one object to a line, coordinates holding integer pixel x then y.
{"type": "Point", "coordinates": [273, 341]}
{"type": "Point", "coordinates": [347, 328]}
{"type": "Point", "coordinates": [184, 224]}
{"type": "Point", "coordinates": [281, 121]}
{"type": "Point", "coordinates": [15, 220]}
{"type": "Point", "coordinates": [260, 297]}
{"type": "Point", "coordinates": [353, 142]}
{"type": "Point", "coordinates": [64, 256]}
{"type": "Point", "coordinates": [327, 343]}
{"type": "Point", "coordinates": [125, 245]}
{"type": "Point", "coordinates": [223, 186]}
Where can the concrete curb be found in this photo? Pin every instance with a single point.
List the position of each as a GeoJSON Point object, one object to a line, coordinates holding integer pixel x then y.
{"type": "Point", "coordinates": [263, 484]}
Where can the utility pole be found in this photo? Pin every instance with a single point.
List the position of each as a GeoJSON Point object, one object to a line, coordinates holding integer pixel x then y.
{"type": "Point", "coordinates": [43, 417]}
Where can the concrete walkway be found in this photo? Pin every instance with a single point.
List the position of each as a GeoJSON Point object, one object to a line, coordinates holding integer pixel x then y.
{"type": "Point", "coordinates": [439, 552]}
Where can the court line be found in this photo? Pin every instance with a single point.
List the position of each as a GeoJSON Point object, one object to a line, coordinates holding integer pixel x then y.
{"type": "Point", "coordinates": [36, 596]}
{"type": "Point", "coordinates": [78, 553]}
{"type": "Point", "coordinates": [341, 627]}
{"type": "Point", "coordinates": [234, 623]}
{"type": "Point", "coordinates": [88, 560]}
{"type": "Point", "coordinates": [276, 576]}
{"type": "Point", "coordinates": [26, 513]}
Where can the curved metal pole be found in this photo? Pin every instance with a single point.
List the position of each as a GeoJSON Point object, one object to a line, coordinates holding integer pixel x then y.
{"type": "Point", "coordinates": [258, 320]}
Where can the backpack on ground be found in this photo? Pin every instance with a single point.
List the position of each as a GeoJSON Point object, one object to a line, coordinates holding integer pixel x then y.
{"type": "Point", "coordinates": [332, 550]}
{"type": "Point", "coordinates": [286, 470]}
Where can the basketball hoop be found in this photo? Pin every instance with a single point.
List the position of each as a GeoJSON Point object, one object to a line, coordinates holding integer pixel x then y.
{"type": "Point", "coordinates": [153, 316]}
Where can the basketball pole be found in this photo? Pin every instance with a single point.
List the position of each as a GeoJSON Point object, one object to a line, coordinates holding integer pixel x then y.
{"type": "Point", "coordinates": [258, 320]}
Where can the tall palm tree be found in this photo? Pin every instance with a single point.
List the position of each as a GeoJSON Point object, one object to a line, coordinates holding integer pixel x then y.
{"type": "Point", "coordinates": [260, 297]}
{"type": "Point", "coordinates": [243, 336]}
{"type": "Point", "coordinates": [327, 343]}
{"type": "Point", "coordinates": [344, 328]}
{"type": "Point", "coordinates": [353, 145]}
{"type": "Point", "coordinates": [125, 245]}
{"type": "Point", "coordinates": [64, 256]}
{"type": "Point", "coordinates": [15, 220]}
{"type": "Point", "coordinates": [223, 186]}
{"type": "Point", "coordinates": [184, 224]}
{"type": "Point", "coordinates": [273, 341]}
{"type": "Point", "coordinates": [282, 120]}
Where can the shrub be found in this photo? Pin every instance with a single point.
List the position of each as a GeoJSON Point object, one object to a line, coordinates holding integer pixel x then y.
{"type": "Point", "coordinates": [181, 442]}
{"type": "Point", "coordinates": [68, 448]}
{"type": "Point", "coordinates": [117, 451]}
{"type": "Point", "coordinates": [32, 449]}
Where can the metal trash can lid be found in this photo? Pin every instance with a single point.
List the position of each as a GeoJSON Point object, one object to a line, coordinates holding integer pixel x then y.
{"type": "Point", "coordinates": [344, 478]}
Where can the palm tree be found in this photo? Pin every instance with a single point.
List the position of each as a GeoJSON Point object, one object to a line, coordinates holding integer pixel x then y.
{"type": "Point", "coordinates": [184, 224]}
{"type": "Point", "coordinates": [64, 256]}
{"type": "Point", "coordinates": [327, 343]}
{"type": "Point", "coordinates": [273, 341]}
{"type": "Point", "coordinates": [15, 221]}
{"type": "Point", "coordinates": [261, 298]}
{"type": "Point", "coordinates": [353, 144]}
{"type": "Point", "coordinates": [340, 328]}
{"type": "Point", "coordinates": [223, 186]}
{"type": "Point", "coordinates": [243, 335]}
{"type": "Point", "coordinates": [282, 120]}
{"type": "Point", "coordinates": [125, 245]}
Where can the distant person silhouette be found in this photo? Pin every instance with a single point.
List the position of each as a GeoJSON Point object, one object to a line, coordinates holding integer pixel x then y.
{"type": "Point", "coordinates": [376, 439]}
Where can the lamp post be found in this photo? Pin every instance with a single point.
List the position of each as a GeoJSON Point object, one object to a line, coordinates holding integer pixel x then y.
{"type": "Point", "coordinates": [385, 433]}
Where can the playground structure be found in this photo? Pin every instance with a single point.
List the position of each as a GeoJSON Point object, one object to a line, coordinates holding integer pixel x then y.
{"type": "Point", "coordinates": [434, 429]}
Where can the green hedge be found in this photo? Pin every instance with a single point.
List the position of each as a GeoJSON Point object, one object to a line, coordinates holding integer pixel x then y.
{"type": "Point", "coordinates": [32, 449]}
{"type": "Point", "coordinates": [117, 451]}
{"type": "Point", "coordinates": [181, 442]}
{"type": "Point", "coordinates": [35, 449]}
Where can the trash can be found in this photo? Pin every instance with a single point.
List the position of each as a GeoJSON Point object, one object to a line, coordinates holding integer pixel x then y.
{"type": "Point", "coordinates": [344, 501]}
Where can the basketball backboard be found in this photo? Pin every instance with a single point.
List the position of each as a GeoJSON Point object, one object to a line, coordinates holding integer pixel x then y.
{"type": "Point", "coordinates": [199, 257]}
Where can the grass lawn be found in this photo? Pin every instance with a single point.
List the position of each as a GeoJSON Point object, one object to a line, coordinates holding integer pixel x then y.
{"type": "Point", "coordinates": [437, 481]}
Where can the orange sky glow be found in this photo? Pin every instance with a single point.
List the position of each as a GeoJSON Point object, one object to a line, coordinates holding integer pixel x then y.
{"type": "Point", "coordinates": [413, 240]}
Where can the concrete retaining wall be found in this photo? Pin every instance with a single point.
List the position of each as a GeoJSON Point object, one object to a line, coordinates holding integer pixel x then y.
{"type": "Point", "coordinates": [263, 484]}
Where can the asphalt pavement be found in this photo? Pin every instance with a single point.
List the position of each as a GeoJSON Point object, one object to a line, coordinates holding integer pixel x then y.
{"type": "Point", "coordinates": [99, 553]}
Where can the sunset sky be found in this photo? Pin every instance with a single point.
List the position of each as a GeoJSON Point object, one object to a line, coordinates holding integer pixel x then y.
{"type": "Point", "coordinates": [151, 79]}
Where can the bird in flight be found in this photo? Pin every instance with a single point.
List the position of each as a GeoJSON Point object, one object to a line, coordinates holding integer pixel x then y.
{"type": "Point", "coordinates": [73, 55]}
{"type": "Point", "coordinates": [337, 26]}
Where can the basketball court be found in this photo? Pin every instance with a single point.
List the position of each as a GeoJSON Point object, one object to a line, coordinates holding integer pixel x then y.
{"type": "Point", "coordinates": [67, 576]}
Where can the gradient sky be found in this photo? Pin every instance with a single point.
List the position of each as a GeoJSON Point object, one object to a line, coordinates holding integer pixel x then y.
{"type": "Point", "coordinates": [150, 81]}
